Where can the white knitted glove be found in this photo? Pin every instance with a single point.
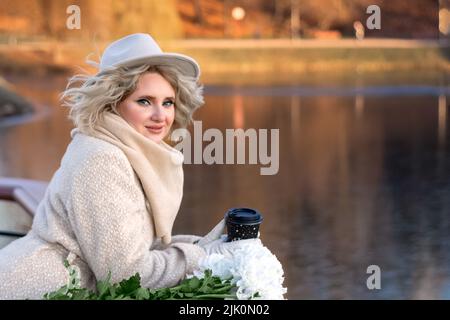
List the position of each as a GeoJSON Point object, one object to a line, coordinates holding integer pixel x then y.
{"type": "Point", "coordinates": [214, 234]}
{"type": "Point", "coordinates": [219, 246]}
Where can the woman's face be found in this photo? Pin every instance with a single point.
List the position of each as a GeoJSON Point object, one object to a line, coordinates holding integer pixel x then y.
{"type": "Point", "coordinates": [150, 109]}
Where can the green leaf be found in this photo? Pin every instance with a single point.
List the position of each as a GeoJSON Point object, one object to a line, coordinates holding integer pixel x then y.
{"type": "Point", "coordinates": [66, 263]}
{"type": "Point", "coordinates": [142, 294]}
{"type": "Point", "coordinates": [130, 285]}
{"type": "Point", "coordinates": [104, 286]}
{"type": "Point", "coordinates": [193, 284]}
{"type": "Point", "coordinates": [81, 294]}
{"type": "Point", "coordinates": [209, 287]}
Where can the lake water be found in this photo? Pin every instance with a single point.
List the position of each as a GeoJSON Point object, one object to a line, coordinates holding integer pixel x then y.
{"type": "Point", "coordinates": [364, 179]}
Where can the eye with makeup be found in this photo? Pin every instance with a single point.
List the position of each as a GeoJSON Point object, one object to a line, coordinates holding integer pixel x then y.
{"type": "Point", "coordinates": [143, 102]}
{"type": "Point", "coordinates": [146, 102]}
{"type": "Point", "coordinates": [169, 103]}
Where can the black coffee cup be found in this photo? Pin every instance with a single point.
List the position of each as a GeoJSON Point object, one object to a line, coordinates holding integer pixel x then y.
{"type": "Point", "coordinates": [242, 223]}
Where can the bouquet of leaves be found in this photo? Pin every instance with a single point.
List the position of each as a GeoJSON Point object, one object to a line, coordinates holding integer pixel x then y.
{"type": "Point", "coordinates": [208, 287]}
{"type": "Point", "coordinates": [251, 272]}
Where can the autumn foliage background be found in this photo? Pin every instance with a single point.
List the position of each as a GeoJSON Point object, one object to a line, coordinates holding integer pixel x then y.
{"type": "Point", "coordinates": [105, 19]}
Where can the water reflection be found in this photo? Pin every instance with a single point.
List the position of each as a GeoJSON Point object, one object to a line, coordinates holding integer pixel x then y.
{"type": "Point", "coordinates": [238, 112]}
{"type": "Point", "coordinates": [364, 179]}
{"type": "Point", "coordinates": [442, 119]}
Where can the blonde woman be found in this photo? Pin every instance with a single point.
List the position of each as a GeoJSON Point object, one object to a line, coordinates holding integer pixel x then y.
{"type": "Point", "coordinates": [111, 205]}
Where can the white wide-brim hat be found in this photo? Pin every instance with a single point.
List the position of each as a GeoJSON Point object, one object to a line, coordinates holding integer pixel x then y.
{"type": "Point", "coordinates": [141, 48]}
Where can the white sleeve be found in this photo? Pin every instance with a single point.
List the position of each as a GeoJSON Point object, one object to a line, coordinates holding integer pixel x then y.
{"type": "Point", "coordinates": [107, 222]}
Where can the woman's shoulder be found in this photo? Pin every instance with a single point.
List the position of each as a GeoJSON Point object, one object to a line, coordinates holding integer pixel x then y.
{"type": "Point", "coordinates": [86, 150]}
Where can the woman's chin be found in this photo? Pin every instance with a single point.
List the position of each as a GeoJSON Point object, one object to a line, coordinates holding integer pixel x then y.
{"type": "Point", "coordinates": [155, 137]}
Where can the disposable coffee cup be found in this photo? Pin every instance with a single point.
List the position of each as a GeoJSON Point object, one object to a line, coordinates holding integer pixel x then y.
{"type": "Point", "coordinates": [242, 223]}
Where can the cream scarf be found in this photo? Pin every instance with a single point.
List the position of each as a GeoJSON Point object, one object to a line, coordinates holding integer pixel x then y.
{"type": "Point", "coordinates": [158, 166]}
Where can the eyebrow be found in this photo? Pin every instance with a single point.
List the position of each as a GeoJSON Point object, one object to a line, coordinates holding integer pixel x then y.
{"type": "Point", "coordinates": [153, 98]}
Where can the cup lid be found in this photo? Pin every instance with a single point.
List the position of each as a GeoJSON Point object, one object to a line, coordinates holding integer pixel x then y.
{"type": "Point", "coordinates": [243, 216]}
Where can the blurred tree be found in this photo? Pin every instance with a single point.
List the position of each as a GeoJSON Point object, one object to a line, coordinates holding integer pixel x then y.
{"type": "Point", "coordinates": [280, 7]}
{"type": "Point", "coordinates": [295, 19]}
{"type": "Point", "coordinates": [102, 19]}
{"type": "Point", "coordinates": [198, 12]}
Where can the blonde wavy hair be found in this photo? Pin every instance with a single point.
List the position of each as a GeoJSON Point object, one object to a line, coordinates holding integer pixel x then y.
{"type": "Point", "coordinates": [89, 96]}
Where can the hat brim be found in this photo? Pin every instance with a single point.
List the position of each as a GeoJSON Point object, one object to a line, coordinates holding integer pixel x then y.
{"type": "Point", "coordinates": [186, 65]}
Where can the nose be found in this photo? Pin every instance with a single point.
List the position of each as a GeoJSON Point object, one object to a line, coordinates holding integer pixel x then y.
{"type": "Point", "coordinates": [157, 113]}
